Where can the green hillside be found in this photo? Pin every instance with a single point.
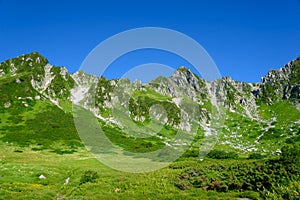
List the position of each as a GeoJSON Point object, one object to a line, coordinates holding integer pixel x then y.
{"type": "Point", "coordinates": [251, 131]}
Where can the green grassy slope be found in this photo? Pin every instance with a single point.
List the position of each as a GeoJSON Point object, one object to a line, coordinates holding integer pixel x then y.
{"type": "Point", "coordinates": [256, 157]}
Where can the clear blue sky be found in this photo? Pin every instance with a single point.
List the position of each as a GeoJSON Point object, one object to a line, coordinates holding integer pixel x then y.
{"type": "Point", "coordinates": [245, 38]}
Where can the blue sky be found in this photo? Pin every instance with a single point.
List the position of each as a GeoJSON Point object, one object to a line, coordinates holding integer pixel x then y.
{"type": "Point", "coordinates": [245, 38]}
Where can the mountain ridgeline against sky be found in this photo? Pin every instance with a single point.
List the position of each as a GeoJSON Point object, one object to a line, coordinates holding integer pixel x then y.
{"type": "Point", "coordinates": [259, 117]}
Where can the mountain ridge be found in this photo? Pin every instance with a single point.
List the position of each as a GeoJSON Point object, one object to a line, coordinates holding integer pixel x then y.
{"type": "Point", "coordinates": [282, 83]}
{"type": "Point", "coordinates": [35, 55]}
{"type": "Point", "coordinates": [29, 80]}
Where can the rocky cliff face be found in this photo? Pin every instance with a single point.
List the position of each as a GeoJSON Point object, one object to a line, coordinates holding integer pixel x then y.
{"type": "Point", "coordinates": [281, 83]}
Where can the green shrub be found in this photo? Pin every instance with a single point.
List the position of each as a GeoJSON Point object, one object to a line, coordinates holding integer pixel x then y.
{"type": "Point", "coordinates": [250, 195]}
{"type": "Point", "coordinates": [291, 154]}
{"type": "Point", "coordinates": [218, 186]}
{"type": "Point", "coordinates": [217, 154]}
{"type": "Point", "coordinates": [250, 176]}
{"type": "Point", "coordinates": [287, 192]}
{"type": "Point", "coordinates": [255, 156]}
{"type": "Point", "coordinates": [183, 184]}
{"type": "Point", "coordinates": [61, 152]}
{"type": "Point", "coordinates": [88, 176]}
{"type": "Point", "coordinates": [37, 149]}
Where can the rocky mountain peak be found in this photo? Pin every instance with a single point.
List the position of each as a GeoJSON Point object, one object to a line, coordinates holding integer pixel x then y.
{"type": "Point", "coordinates": [282, 83]}
{"type": "Point", "coordinates": [32, 62]}
{"type": "Point", "coordinates": [184, 76]}
{"type": "Point", "coordinates": [183, 72]}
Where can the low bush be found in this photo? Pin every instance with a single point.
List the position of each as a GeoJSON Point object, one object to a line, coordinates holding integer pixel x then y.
{"type": "Point", "coordinates": [61, 152]}
{"type": "Point", "coordinates": [250, 195]}
{"type": "Point", "coordinates": [255, 156]}
{"type": "Point", "coordinates": [217, 154]}
{"type": "Point", "coordinates": [273, 178]}
{"type": "Point", "coordinates": [88, 176]}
